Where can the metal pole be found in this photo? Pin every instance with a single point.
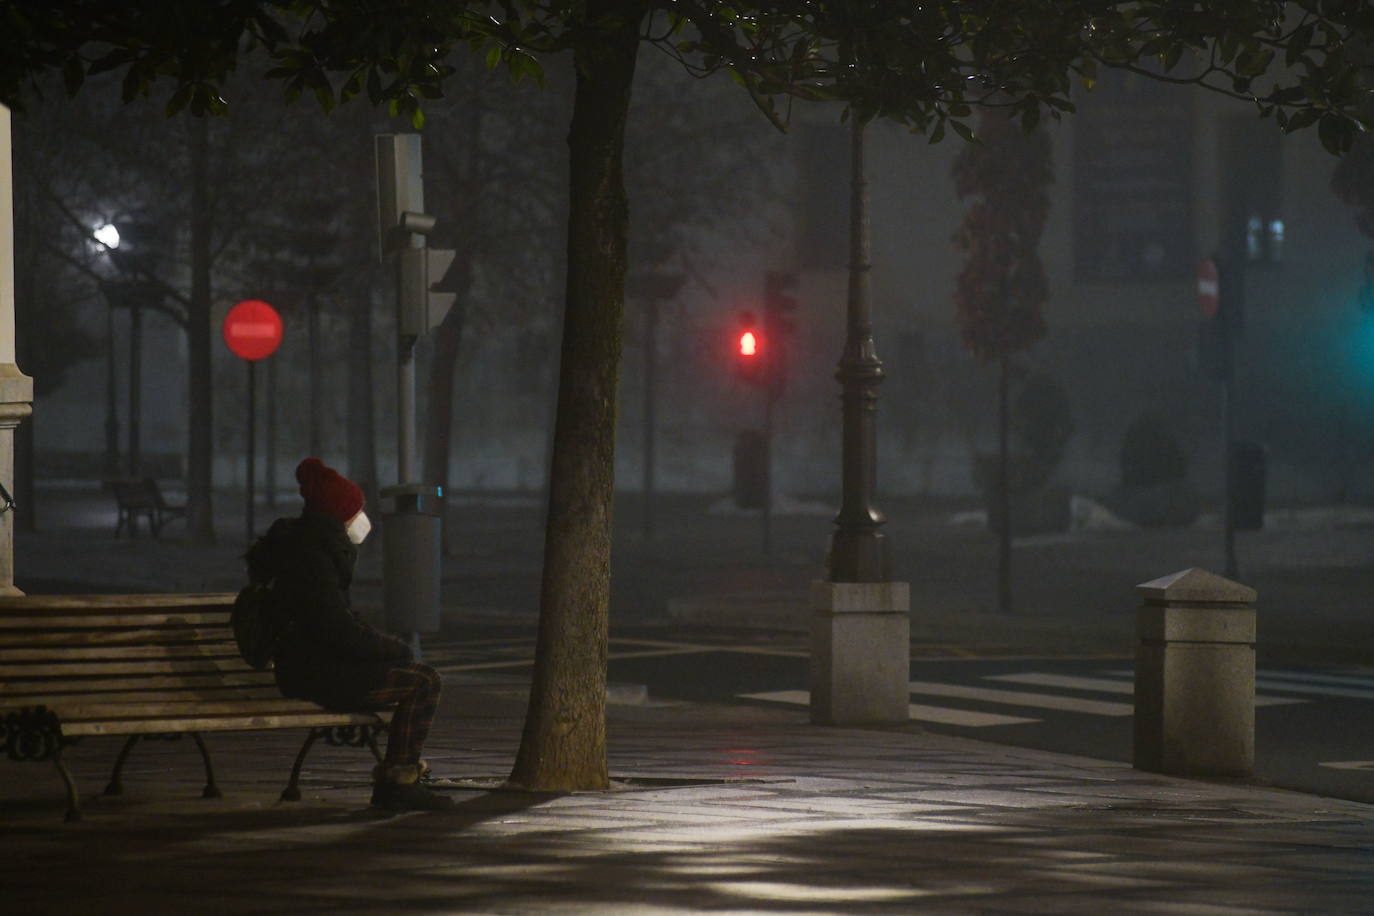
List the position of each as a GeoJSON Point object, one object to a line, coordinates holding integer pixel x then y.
{"type": "Point", "coordinates": [650, 418]}
{"type": "Point", "coordinates": [768, 398]}
{"type": "Point", "coordinates": [858, 549]}
{"type": "Point", "coordinates": [111, 399]}
{"type": "Point", "coordinates": [135, 380]}
{"type": "Point", "coordinates": [249, 472]}
{"type": "Point", "coordinates": [312, 312]}
{"type": "Point", "coordinates": [270, 446]}
{"type": "Point", "coordinates": [1003, 490]}
{"type": "Point", "coordinates": [405, 383]}
{"type": "Point", "coordinates": [1228, 514]}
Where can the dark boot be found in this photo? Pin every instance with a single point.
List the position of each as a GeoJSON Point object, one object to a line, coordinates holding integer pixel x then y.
{"type": "Point", "coordinates": [397, 788]}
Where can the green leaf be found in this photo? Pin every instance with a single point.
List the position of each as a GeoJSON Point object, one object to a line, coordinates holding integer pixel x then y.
{"type": "Point", "coordinates": [962, 129]}
{"type": "Point", "coordinates": [417, 118]}
{"type": "Point", "coordinates": [178, 100]}
{"type": "Point", "coordinates": [1298, 43]}
{"type": "Point", "coordinates": [493, 57]}
{"type": "Point", "coordinates": [1336, 134]}
{"type": "Point", "coordinates": [1254, 61]}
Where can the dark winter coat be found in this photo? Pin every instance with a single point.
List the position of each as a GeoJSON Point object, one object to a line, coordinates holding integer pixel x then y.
{"type": "Point", "coordinates": [329, 654]}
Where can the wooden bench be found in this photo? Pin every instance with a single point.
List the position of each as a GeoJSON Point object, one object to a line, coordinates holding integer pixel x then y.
{"type": "Point", "coordinates": [135, 497]}
{"type": "Point", "coordinates": [76, 666]}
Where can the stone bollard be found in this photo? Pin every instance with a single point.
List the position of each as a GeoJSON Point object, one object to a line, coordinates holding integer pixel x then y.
{"type": "Point", "coordinates": [860, 652]}
{"type": "Point", "coordinates": [1195, 676]}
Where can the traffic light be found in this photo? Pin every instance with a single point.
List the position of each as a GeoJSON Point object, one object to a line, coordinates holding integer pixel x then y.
{"type": "Point", "coordinates": [750, 349]}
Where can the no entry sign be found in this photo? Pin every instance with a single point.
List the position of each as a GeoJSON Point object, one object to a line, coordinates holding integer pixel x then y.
{"type": "Point", "coordinates": [1208, 289]}
{"type": "Point", "coordinates": [252, 330]}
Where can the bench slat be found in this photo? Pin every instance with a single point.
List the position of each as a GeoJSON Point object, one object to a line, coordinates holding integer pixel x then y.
{"type": "Point", "coordinates": [100, 710]}
{"type": "Point", "coordinates": [218, 723]}
{"type": "Point", "coordinates": [103, 604]}
{"type": "Point", "coordinates": [65, 620]}
{"type": "Point", "coordinates": [56, 655]}
{"type": "Point", "coordinates": [246, 677]}
{"type": "Point", "coordinates": [114, 637]}
{"type": "Point", "coordinates": [55, 699]}
{"type": "Point", "coordinates": [152, 666]}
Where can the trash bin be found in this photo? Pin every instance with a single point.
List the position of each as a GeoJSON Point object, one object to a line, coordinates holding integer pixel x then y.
{"type": "Point", "coordinates": [410, 558]}
{"type": "Point", "coordinates": [1247, 473]}
{"type": "Point", "coordinates": [751, 470]}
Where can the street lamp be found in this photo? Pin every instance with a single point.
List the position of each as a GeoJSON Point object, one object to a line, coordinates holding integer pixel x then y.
{"type": "Point", "coordinates": [107, 235]}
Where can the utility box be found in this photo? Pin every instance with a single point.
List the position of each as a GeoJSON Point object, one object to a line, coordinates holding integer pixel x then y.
{"type": "Point", "coordinates": [1195, 676]}
{"type": "Point", "coordinates": [411, 558]}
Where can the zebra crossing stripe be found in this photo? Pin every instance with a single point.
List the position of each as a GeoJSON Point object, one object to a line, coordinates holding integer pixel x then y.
{"type": "Point", "coordinates": [1319, 690]}
{"type": "Point", "coordinates": [919, 713]}
{"type": "Point", "coordinates": [1022, 698]}
{"type": "Point", "coordinates": [1341, 680]}
{"type": "Point", "coordinates": [1067, 681]}
{"type": "Point", "coordinates": [1103, 685]}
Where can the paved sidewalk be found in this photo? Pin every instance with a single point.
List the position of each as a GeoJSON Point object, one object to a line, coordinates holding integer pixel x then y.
{"type": "Point", "coordinates": [733, 810]}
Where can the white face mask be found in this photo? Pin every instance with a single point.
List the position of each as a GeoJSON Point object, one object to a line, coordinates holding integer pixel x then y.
{"type": "Point", "coordinates": [358, 527]}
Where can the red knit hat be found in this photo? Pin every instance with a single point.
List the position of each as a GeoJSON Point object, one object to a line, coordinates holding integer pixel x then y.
{"type": "Point", "coordinates": [327, 491]}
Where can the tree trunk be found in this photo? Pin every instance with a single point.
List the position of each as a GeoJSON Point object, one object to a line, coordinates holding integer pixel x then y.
{"type": "Point", "coordinates": [200, 522]}
{"type": "Point", "coordinates": [563, 747]}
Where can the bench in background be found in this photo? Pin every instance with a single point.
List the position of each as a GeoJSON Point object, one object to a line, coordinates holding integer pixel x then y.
{"type": "Point", "coordinates": [77, 666]}
{"type": "Point", "coordinates": [137, 497]}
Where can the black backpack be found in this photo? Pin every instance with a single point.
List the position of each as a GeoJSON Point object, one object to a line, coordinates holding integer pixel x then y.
{"type": "Point", "coordinates": [258, 624]}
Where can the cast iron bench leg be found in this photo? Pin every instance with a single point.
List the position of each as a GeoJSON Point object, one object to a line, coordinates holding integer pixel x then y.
{"type": "Point", "coordinates": [211, 789]}
{"type": "Point", "coordinates": [116, 785]}
{"type": "Point", "coordinates": [73, 801]}
{"type": "Point", "coordinates": [292, 792]}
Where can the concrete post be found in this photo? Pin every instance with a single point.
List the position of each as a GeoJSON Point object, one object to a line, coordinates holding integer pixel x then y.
{"type": "Point", "coordinates": [860, 652]}
{"type": "Point", "coordinates": [16, 388]}
{"type": "Point", "coordinates": [1195, 676]}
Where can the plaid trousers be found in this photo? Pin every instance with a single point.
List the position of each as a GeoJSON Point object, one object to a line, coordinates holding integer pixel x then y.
{"type": "Point", "coordinates": [414, 689]}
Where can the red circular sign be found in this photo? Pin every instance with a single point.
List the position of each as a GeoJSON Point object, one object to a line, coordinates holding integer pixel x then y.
{"type": "Point", "coordinates": [1208, 289]}
{"type": "Point", "coordinates": [252, 329]}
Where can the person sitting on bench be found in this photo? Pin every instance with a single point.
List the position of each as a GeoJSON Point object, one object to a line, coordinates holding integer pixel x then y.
{"type": "Point", "coordinates": [328, 654]}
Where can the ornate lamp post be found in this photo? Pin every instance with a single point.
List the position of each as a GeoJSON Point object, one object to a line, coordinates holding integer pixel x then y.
{"type": "Point", "coordinates": [858, 551]}
{"type": "Point", "coordinates": [860, 630]}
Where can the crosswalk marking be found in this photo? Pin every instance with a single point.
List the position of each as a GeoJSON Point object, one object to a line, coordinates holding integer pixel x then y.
{"type": "Point", "coordinates": [1020, 698]}
{"type": "Point", "coordinates": [916, 712]}
{"type": "Point", "coordinates": [1271, 684]}
{"type": "Point", "coordinates": [1068, 681]}
{"type": "Point", "coordinates": [1345, 680]}
{"type": "Point", "coordinates": [1103, 685]}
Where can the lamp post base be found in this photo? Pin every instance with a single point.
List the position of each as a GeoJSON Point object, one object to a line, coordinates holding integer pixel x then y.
{"type": "Point", "coordinates": [860, 652]}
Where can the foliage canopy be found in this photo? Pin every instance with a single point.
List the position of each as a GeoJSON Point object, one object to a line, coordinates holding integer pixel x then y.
{"type": "Point", "coordinates": [927, 65]}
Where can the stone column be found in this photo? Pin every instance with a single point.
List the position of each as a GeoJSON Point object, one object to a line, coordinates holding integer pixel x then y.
{"type": "Point", "coordinates": [16, 388]}
{"type": "Point", "coordinates": [1195, 676]}
{"type": "Point", "coordinates": [860, 652]}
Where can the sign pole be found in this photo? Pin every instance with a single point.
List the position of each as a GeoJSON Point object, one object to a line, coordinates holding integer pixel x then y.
{"type": "Point", "coordinates": [252, 331]}
{"type": "Point", "coordinates": [252, 445]}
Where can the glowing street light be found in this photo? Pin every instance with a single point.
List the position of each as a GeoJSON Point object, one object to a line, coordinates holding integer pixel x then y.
{"type": "Point", "coordinates": [107, 235]}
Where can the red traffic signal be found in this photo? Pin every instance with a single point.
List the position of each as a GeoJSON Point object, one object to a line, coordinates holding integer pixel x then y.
{"type": "Point", "coordinates": [750, 345]}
